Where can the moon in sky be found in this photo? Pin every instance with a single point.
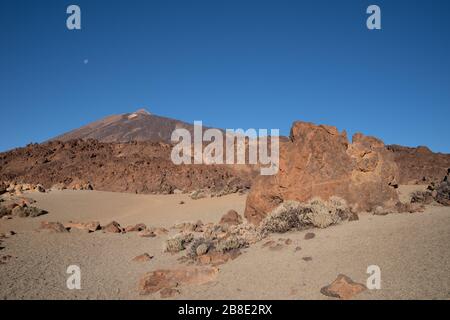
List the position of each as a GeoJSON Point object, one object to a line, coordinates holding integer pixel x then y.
{"type": "Point", "coordinates": [86, 61]}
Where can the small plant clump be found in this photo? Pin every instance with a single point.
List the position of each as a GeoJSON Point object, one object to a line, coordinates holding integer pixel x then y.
{"type": "Point", "coordinates": [298, 216]}
{"type": "Point", "coordinates": [178, 242]}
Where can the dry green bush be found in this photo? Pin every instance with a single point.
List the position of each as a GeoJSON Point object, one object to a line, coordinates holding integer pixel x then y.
{"type": "Point", "coordinates": [178, 242]}
{"type": "Point", "coordinates": [314, 213]}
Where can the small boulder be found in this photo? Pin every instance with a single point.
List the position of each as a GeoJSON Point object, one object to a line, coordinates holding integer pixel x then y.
{"type": "Point", "coordinates": [112, 227]}
{"type": "Point", "coordinates": [309, 235]}
{"type": "Point", "coordinates": [343, 288]}
{"type": "Point", "coordinates": [53, 227]}
{"type": "Point", "coordinates": [136, 228]}
{"type": "Point", "coordinates": [143, 258]}
{"type": "Point", "coordinates": [231, 218]}
{"type": "Point", "coordinates": [146, 233]}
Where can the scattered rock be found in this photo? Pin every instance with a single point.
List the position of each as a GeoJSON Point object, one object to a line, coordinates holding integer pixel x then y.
{"type": "Point", "coordinates": [181, 202]}
{"type": "Point", "coordinates": [343, 288]}
{"type": "Point", "coordinates": [269, 243]}
{"type": "Point", "coordinates": [147, 233]}
{"type": "Point", "coordinates": [288, 241]}
{"type": "Point", "coordinates": [161, 279]}
{"type": "Point", "coordinates": [307, 259]}
{"type": "Point", "coordinates": [168, 293]}
{"type": "Point", "coordinates": [112, 227]}
{"type": "Point", "coordinates": [39, 188]}
{"type": "Point", "coordinates": [231, 218]}
{"type": "Point", "coordinates": [24, 212]}
{"type": "Point", "coordinates": [53, 226]}
{"type": "Point", "coordinates": [136, 228]}
{"type": "Point", "coordinates": [297, 249]}
{"type": "Point", "coordinates": [309, 235]}
{"type": "Point", "coordinates": [353, 217]}
{"type": "Point", "coordinates": [160, 231]}
{"type": "Point", "coordinates": [216, 258]}
{"type": "Point", "coordinates": [380, 211]}
{"type": "Point", "coordinates": [88, 226]}
{"type": "Point", "coordinates": [197, 194]}
{"type": "Point", "coordinates": [143, 258]}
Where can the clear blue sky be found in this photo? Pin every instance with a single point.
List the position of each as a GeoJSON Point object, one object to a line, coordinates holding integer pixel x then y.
{"type": "Point", "coordinates": [230, 63]}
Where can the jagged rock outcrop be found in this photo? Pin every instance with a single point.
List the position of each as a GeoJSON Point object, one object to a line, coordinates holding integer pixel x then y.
{"type": "Point", "coordinates": [318, 161]}
{"type": "Point", "coordinates": [419, 165]}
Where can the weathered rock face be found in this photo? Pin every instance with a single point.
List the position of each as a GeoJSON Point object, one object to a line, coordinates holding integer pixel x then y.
{"type": "Point", "coordinates": [135, 167]}
{"type": "Point", "coordinates": [420, 165]}
{"type": "Point", "coordinates": [318, 161]}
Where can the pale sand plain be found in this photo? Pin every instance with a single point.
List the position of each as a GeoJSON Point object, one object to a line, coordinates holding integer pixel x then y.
{"type": "Point", "coordinates": [412, 251]}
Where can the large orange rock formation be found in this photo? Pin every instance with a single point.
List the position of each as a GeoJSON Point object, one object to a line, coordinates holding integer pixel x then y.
{"type": "Point", "coordinates": [319, 161]}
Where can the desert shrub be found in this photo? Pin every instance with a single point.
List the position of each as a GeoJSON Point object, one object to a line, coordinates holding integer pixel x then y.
{"type": "Point", "coordinates": [178, 242]}
{"type": "Point", "coordinates": [314, 213]}
{"type": "Point", "coordinates": [230, 243]}
{"type": "Point", "coordinates": [204, 244]}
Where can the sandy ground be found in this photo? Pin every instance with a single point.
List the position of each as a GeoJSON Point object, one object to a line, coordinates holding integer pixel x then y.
{"type": "Point", "coordinates": [410, 249]}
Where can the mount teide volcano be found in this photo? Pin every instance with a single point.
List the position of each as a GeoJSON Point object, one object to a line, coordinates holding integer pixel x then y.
{"type": "Point", "coordinates": [140, 125]}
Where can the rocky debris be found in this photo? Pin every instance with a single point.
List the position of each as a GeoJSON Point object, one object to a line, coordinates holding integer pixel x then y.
{"type": "Point", "coordinates": [422, 197]}
{"type": "Point", "coordinates": [168, 293]}
{"type": "Point", "coordinates": [17, 189]}
{"type": "Point", "coordinates": [112, 227]}
{"type": "Point", "coordinates": [269, 243]}
{"type": "Point", "coordinates": [178, 242]}
{"type": "Point", "coordinates": [307, 259]}
{"type": "Point", "coordinates": [87, 226]}
{"type": "Point", "coordinates": [24, 212]}
{"type": "Point", "coordinates": [288, 242]}
{"type": "Point", "coordinates": [310, 235]}
{"type": "Point", "coordinates": [299, 216]}
{"type": "Point", "coordinates": [143, 258]}
{"type": "Point", "coordinates": [380, 211]}
{"type": "Point", "coordinates": [58, 187]}
{"type": "Point", "coordinates": [216, 258]}
{"type": "Point", "coordinates": [441, 190]}
{"type": "Point", "coordinates": [160, 231]}
{"type": "Point", "coordinates": [409, 207]}
{"type": "Point", "coordinates": [136, 228]}
{"type": "Point", "coordinates": [318, 161]}
{"type": "Point", "coordinates": [143, 167]}
{"type": "Point", "coordinates": [147, 233]}
{"type": "Point", "coordinates": [80, 186]}
{"type": "Point", "coordinates": [53, 227]}
{"type": "Point", "coordinates": [169, 279]}
{"type": "Point", "coordinates": [231, 218]}
{"type": "Point", "coordinates": [198, 194]}
{"type": "Point", "coordinates": [297, 249]}
{"type": "Point", "coordinates": [3, 187]}
{"type": "Point", "coordinates": [7, 234]}
{"type": "Point", "coordinates": [189, 226]}
{"type": "Point", "coordinates": [419, 165]}
{"type": "Point", "coordinates": [353, 217]}
{"type": "Point", "coordinates": [4, 259]}
{"type": "Point", "coordinates": [343, 288]}
{"type": "Point", "coordinates": [181, 202]}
